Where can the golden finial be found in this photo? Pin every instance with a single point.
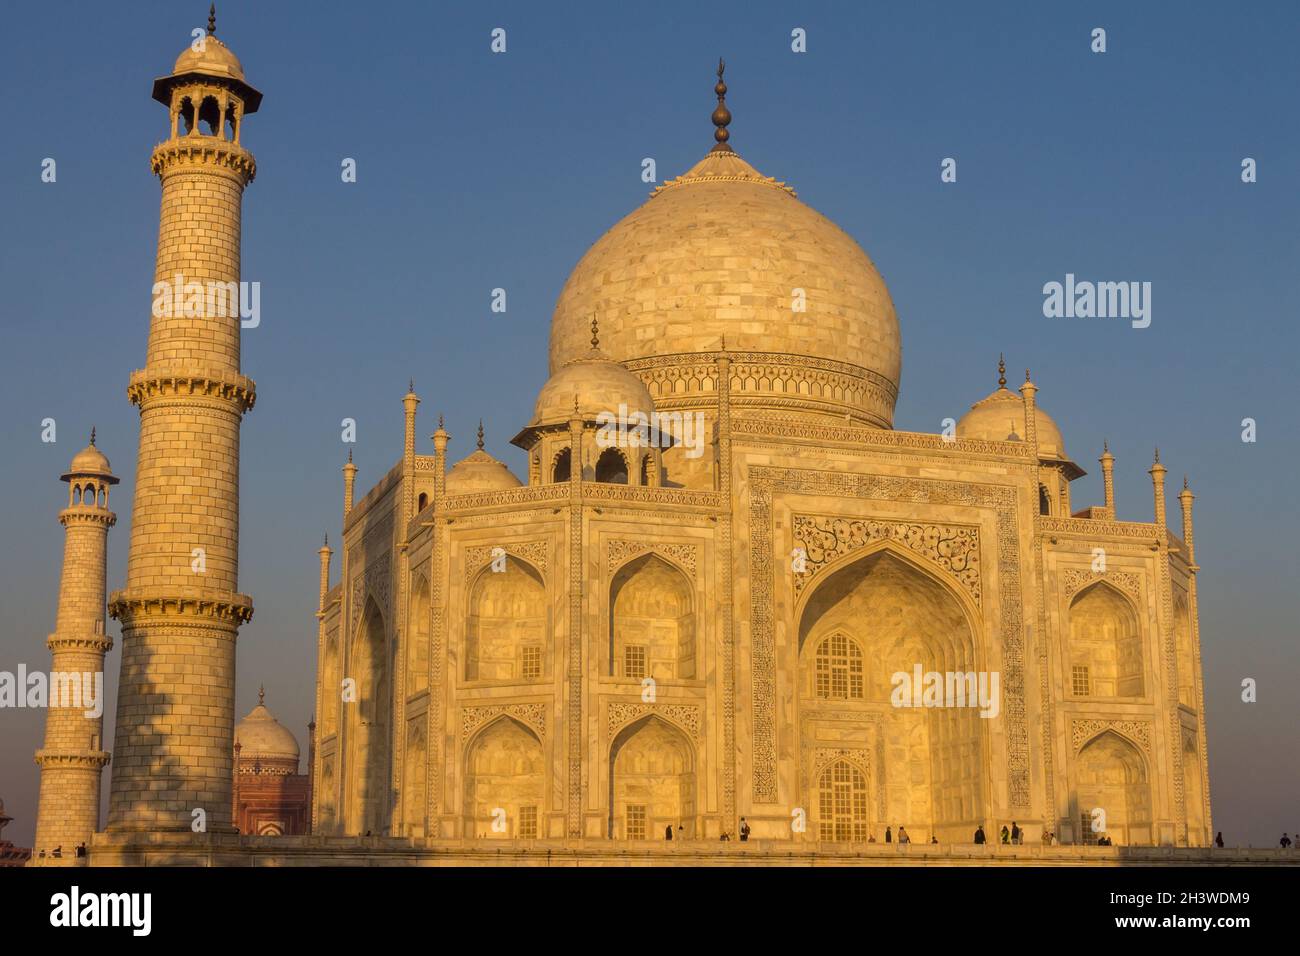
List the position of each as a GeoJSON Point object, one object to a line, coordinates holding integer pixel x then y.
{"type": "Point", "coordinates": [721, 115]}
{"type": "Point", "coordinates": [480, 434]}
{"type": "Point", "coordinates": [595, 333]}
{"type": "Point", "coordinates": [212, 19]}
{"type": "Point", "coordinates": [92, 434]}
{"type": "Point", "coordinates": [261, 695]}
{"type": "Point", "coordinates": [1002, 371]}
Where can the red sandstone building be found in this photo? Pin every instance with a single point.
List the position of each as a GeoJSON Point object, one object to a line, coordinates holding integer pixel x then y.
{"type": "Point", "coordinates": [270, 796]}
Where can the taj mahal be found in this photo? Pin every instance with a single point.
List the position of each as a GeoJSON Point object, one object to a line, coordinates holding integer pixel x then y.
{"type": "Point", "coordinates": [695, 631]}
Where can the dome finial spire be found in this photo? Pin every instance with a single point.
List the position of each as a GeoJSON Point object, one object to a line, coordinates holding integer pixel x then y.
{"type": "Point", "coordinates": [721, 115]}
{"type": "Point", "coordinates": [92, 434]}
{"type": "Point", "coordinates": [1002, 371]}
{"type": "Point", "coordinates": [212, 19]}
{"type": "Point", "coordinates": [480, 434]}
{"type": "Point", "coordinates": [261, 694]}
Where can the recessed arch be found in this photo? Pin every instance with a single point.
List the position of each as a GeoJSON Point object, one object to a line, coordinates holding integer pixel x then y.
{"type": "Point", "coordinates": [1111, 775]}
{"type": "Point", "coordinates": [505, 781]}
{"type": "Point", "coordinates": [652, 780]}
{"type": "Point", "coordinates": [652, 620]}
{"type": "Point", "coordinates": [901, 615]}
{"type": "Point", "coordinates": [1105, 644]}
{"type": "Point", "coordinates": [369, 723]}
{"type": "Point", "coordinates": [417, 627]}
{"type": "Point", "coordinates": [508, 637]}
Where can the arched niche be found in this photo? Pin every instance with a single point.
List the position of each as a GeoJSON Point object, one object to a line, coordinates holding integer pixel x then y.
{"type": "Point", "coordinates": [1187, 691]}
{"type": "Point", "coordinates": [881, 614]}
{"type": "Point", "coordinates": [652, 626]}
{"type": "Point", "coordinates": [1106, 659]}
{"type": "Point", "coordinates": [505, 782]}
{"type": "Point", "coordinates": [652, 781]}
{"type": "Point", "coordinates": [1111, 777]}
{"type": "Point", "coordinates": [369, 717]}
{"type": "Point", "coordinates": [414, 788]}
{"type": "Point", "coordinates": [417, 647]}
{"type": "Point", "coordinates": [508, 635]}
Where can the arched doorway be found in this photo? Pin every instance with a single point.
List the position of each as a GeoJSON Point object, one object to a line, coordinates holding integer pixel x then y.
{"type": "Point", "coordinates": [652, 781]}
{"type": "Point", "coordinates": [1112, 793]}
{"type": "Point", "coordinates": [879, 616]}
{"type": "Point", "coordinates": [505, 783]}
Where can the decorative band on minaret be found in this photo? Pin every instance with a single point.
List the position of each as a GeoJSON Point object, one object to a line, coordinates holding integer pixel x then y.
{"type": "Point", "coordinates": [181, 608]}
{"type": "Point", "coordinates": [73, 757]}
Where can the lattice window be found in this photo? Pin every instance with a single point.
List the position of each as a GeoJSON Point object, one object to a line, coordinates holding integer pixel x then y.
{"type": "Point", "coordinates": [636, 821]}
{"type": "Point", "coordinates": [528, 823]}
{"type": "Point", "coordinates": [839, 669]}
{"type": "Point", "coordinates": [634, 661]}
{"type": "Point", "coordinates": [1080, 680]}
{"type": "Point", "coordinates": [1089, 834]}
{"type": "Point", "coordinates": [842, 803]}
{"type": "Point", "coordinates": [532, 661]}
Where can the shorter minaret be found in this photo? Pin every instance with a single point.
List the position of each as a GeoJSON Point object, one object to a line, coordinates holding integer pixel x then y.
{"type": "Point", "coordinates": [73, 757]}
{"type": "Point", "coordinates": [349, 484]}
{"type": "Point", "coordinates": [1108, 479]}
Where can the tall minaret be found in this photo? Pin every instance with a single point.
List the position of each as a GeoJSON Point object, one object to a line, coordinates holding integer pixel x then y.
{"type": "Point", "coordinates": [73, 756]}
{"type": "Point", "coordinates": [181, 608]}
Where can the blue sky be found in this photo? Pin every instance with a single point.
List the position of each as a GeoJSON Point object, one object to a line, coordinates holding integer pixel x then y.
{"type": "Point", "coordinates": [478, 170]}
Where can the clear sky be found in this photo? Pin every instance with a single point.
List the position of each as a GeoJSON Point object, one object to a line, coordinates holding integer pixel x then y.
{"type": "Point", "coordinates": [478, 171]}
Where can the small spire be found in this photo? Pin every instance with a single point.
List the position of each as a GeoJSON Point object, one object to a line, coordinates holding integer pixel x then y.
{"type": "Point", "coordinates": [1157, 461]}
{"type": "Point", "coordinates": [212, 19]}
{"type": "Point", "coordinates": [440, 423]}
{"type": "Point", "coordinates": [1105, 448]}
{"type": "Point", "coordinates": [327, 540]}
{"type": "Point", "coordinates": [92, 435]}
{"type": "Point", "coordinates": [480, 434]}
{"type": "Point", "coordinates": [261, 695]}
{"type": "Point", "coordinates": [595, 333]}
{"type": "Point", "coordinates": [1026, 375]}
{"type": "Point", "coordinates": [410, 389]}
{"type": "Point", "coordinates": [1002, 371]}
{"type": "Point", "coordinates": [721, 115]}
{"type": "Point", "coordinates": [1184, 483]}
{"type": "Point", "coordinates": [349, 456]}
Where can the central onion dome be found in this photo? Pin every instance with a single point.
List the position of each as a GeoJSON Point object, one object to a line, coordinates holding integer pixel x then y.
{"type": "Point", "coordinates": [265, 745]}
{"type": "Point", "coordinates": [724, 257]}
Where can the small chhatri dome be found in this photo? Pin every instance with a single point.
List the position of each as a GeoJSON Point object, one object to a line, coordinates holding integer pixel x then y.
{"type": "Point", "coordinates": [998, 416]}
{"type": "Point", "coordinates": [90, 462]}
{"type": "Point", "coordinates": [719, 253]}
{"type": "Point", "coordinates": [213, 59]}
{"type": "Point", "coordinates": [479, 471]}
{"type": "Point", "coordinates": [265, 745]}
{"type": "Point", "coordinates": [591, 385]}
